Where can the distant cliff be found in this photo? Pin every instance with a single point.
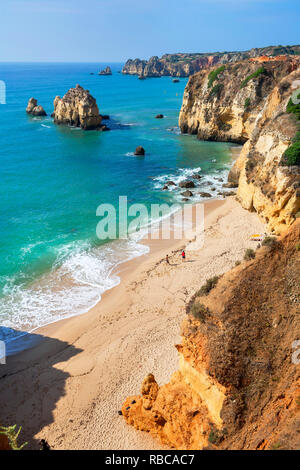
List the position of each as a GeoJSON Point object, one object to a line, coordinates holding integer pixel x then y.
{"type": "Point", "coordinates": [184, 65]}
{"type": "Point", "coordinates": [248, 103]}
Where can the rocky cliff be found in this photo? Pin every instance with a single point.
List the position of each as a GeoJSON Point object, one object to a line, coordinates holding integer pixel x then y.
{"type": "Point", "coordinates": [247, 103]}
{"type": "Point", "coordinates": [77, 108]}
{"type": "Point", "coordinates": [238, 384]}
{"type": "Point", "coordinates": [184, 65]}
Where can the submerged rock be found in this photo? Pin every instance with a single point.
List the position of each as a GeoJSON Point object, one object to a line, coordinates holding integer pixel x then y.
{"type": "Point", "coordinates": [139, 150]}
{"type": "Point", "coordinates": [106, 71]}
{"type": "Point", "coordinates": [77, 108]}
{"type": "Point", "coordinates": [170, 183]}
{"type": "Point", "coordinates": [34, 109]}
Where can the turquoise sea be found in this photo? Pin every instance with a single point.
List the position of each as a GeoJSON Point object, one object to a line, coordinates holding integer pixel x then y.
{"type": "Point", "coordinates": [53, 178]}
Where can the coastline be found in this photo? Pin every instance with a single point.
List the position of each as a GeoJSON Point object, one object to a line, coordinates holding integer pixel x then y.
{"type": "Point", "coordinates": [78, 376]}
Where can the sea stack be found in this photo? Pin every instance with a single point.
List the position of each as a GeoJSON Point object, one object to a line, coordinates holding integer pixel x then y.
{"type": "Point", "coordinates": [106, 71]}
{"type": "Point", "coordinates": [34, 109]}
{"type": "Point", "coordinates": [77, 108]}
{"type": "Point", "coordinates": [139, 151]}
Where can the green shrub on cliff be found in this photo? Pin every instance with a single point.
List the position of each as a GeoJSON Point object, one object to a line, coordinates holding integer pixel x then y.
{"type": "Point", "coordinates": [208, 286]}
{"type": "Point", "coordinates": [255, 74]}
{"type": "Point", "coordinates": [216, 90]}
{"type": "Point", "coordinates": [249, 254]}
{"type": "Point", "coordinates": [199, 311]}
{"type": "Point", "coordinates": [291, 156]}
{"type": "Point", "coordinates": [213, 75]}
{"type": "Point", "coordinates": [293, 108]}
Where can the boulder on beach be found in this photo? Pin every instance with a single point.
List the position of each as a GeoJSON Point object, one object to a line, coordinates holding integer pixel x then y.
{"type": "Point", "coordinates": [203, 194]}
{"type": "Point", "coordinates": [195, 176]}
{"type": "Point", "coordinates": [34, 109]}
{"type": "Point", "coordinates": [230, 185]}
{"type": "Point", "coordinates": [187, 194]}
{"type": "Point", "coordinates": [186, 184]}
{"type": "Point", "coordinates": [106, 71]}
{"type": "Point", "coordinates": [159, 116]}
{"type": "Point", "coordinates": [78, 108]}
{"type": "Point", "coordinates": [139, 150]}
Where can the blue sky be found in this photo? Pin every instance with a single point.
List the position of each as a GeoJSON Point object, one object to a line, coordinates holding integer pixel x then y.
{"type": "Point", "coordinates": [115, 30]}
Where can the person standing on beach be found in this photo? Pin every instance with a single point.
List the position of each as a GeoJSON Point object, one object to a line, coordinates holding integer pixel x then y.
{"type": "Point", "coordinates": [183, 255]}
{"type": "Point", "coordinates": [167, 259]}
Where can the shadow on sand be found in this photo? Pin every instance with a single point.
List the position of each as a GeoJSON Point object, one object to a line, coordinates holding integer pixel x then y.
{"type": "Point", "coordinates": [31, 383]}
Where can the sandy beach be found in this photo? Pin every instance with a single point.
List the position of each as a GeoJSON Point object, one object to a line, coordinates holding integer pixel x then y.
{"type": "Point", "coordinates": [68, 388]}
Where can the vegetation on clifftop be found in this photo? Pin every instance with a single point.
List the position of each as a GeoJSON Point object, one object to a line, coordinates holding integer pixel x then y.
{"type": "Point", "coordinates": [255, 74]}
{"type": "Point", "coordinates": [213, 75]}
{"type": "Point", "coordinates": [291, 156]}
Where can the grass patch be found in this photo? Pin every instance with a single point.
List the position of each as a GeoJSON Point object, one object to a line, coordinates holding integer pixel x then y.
{"type": "Point", "coordinates": [213, 75]}
{"type": "Point", "coordinates": [255, 74]}
{"type": "Point", "coordinates": [249, 254]}
{"type": "Point", "coordinates": [216, 90]}
{"type": "Point", "coordinates": [247, 103]}
{"type": "Point", "coordinates": [208, 286]}
{"type": "Point", "coordinates": [199, 311]}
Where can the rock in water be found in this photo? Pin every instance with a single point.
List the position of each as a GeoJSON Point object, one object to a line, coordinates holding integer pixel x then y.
{"type": "Point", "coordinates": [34, 109]}
{"type": "Point", "coordinates": [186, 184]}
{"type": "Point", "coordinates": [139, 150]}
{"type": "Point", "coordinates": [106, 71]}
{"type": "Point", "coordinates": [187, 194]}
{"type": "Point", "coordinates": [159, 116]}
{"type": "Point", "coordinates": [77, 108]}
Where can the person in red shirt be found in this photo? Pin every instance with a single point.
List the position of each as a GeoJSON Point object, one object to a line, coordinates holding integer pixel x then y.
{"type": "Point", "coordinates": [183, 255]}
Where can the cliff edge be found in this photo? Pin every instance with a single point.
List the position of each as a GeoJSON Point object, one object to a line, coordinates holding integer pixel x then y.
{"type": "Point", "coordinates": [238, 384]}
{"type": "Point", "coordinates": [249, 103]}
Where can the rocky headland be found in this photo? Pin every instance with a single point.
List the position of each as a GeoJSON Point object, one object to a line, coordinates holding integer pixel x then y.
{"type": "Point", "coordinates": [77, 108]}
{"type": "Point", "coordinates": [34, 109]}
{"type": "Point", "coordinates": [184, 65]}
{"type": "Point", "coordinates": [249, 102]}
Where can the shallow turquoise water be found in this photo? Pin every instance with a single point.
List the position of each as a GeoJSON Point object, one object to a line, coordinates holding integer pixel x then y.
{"type": "Point", "coordinates": [53, 178]}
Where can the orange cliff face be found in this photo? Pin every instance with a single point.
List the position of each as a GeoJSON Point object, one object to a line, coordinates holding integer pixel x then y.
{"type": "Point", "coordinates": [238, 386]}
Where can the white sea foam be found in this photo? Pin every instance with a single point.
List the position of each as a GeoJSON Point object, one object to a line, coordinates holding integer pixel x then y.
{"type": "Point", "coordinates": [78, 279]}
{"type": "Point", "coordinates": [211, 182]}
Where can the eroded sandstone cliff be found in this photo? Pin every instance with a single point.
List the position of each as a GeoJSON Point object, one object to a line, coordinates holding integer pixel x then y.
{"type": "Point", "coordinates": [247, 103]}
{"type": "Point", "coordinates": [238, 385]}
{"type": "Point", "coordinates": [77, 108]}
{"type": "Point", "coordinates": [184, 65]}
